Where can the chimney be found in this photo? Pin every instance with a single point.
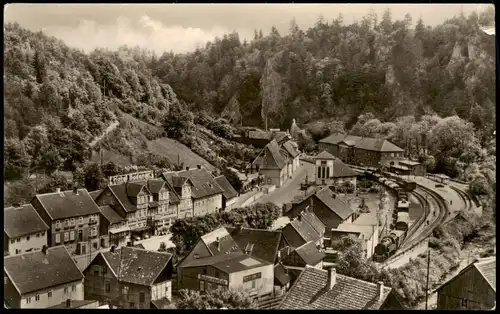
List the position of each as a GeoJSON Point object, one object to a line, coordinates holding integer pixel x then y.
{"type": "Point", "coordinates": [112, 249]}
{"type": "Point", "coordinates": [332, 277]}
{"type": "Point", "coordinates": [218, 244]}
{"type": "Point", "coordinates": [68, 302]}
{"type": "Point", "coordinates": [45, 250]}
{"type": "Point", "coordinates": [187, 168]}
{"type": "Point", "coordinates": [58, 190]}
{"type": "Point", "coordinates": [198, 166]}
{"type": "Point", "coordinates": [299, 217]}
{"type": "Point", "coordinates": [380, 290]}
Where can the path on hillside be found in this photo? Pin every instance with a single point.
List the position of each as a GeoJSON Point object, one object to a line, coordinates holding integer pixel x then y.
{"type": "Point", "coordinates": [113, 125]}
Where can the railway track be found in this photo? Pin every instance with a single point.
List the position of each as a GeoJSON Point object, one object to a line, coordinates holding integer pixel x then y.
{"type": "Point", "coordinates": [464, 196]}
{"type": "Point", "coordinates": [420, 221]}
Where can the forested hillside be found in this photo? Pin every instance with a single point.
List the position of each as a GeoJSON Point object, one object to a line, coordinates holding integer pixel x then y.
{"type": "Point", "coordinates": [429, 89]}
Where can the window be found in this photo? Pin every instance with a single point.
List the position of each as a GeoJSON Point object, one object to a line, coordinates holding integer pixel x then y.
{"type": "Point", "coordinates": [72, 236]}
{"type": "Point", "coordinates": [80, 221]}
{"type": "Point", "coordinates": [204, 271]}
{"type": "Point", "coordinates": [96, 273]}
{"type": "Point", "coordinates": [58, 224]}
{"type": "Point", "coordinates": [18, 251]}
{"type": "Point", "coordinates": [12, 241]}
{"type": "Point", "coordinates": [319, 173]}
{"type": "Point", "coordinates": [43, 233]}
{"type": "Point", "coordinates": [58, 238]}
{"type": "Point", "coordinates": [66, 236]}
{"type": "Point", "coordinates": [142, 297]}
{"type": "Point", "coordinates": [49, 294]}
{"type": "Point", "coordinates": [328, 172]}
{"type": "Point", "coordinates": [217, 273]}
{"type": "Point", "coordinates": [72, 223]}
{"type": "Point", "coordinates": [28, 300]}
{"type": "Point", "coordinates": [94, 245]}
{"type": "Point", "coordinates": [37, 298]}
{"type": "Point", "coordinates": [202, 285]}
{"type": "Point", "coordinates": [108, 287]}
{"type": "Point", "coordinates": [65, 289]}
{"type": "Point", "coordinates": [104, 270]}
{"type": "Point", "coordinates": [80, 235]}
{"type": "Point", "coordinates": [132, 305]}
{"type": "Point", "coordinates": [18, 239]}
{"type": "Point", "coordinates": [37, 235]}
{"type": "Point", "coordinates": [73, 288]}
{"type": "Point", "coordinates": [125, 290]}
{"type": "Point", "coordinates": [253, 283]}
{"type": "Point", "coordinates": [66, 222]}
{"type": "Point", "coordinates": [323, 162]}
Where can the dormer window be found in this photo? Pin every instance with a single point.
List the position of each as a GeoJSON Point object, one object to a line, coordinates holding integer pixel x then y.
{"type": "Point", "coordinates": [58, 224]}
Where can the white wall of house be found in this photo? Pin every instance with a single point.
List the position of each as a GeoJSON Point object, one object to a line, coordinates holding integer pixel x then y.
{"type": "Point", "coordinates": [207, 205]}
{"type": "Point", "coordinates": [162, 290]}
{"type": "Point", "coordinates": [53, 296]}
{"type": "Point", "coordinates": [27, 243]}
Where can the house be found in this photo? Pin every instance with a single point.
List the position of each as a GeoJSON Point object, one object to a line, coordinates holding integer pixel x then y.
{"type": "Point", "coordinates": [367, 233]}
{"type": "Point", "coordinates": [42, 279]}
{"type": "Point", "coordinates": [474, 288]}
{"type": "Point", "coordinates": [229, 195]}
{"type": "Point", "coordinates": [260, 243]}
{"type": "Point", "coordinates": [293, 154]}
{"type": "Point", "coordinates": [114, 228]}
{"type": "Point", "coordinates": [318, 289]}
{"type": "Point", "coordinates": [332, 171]}
{"type": "Point", "coordinates": [73, 218]}
{"type": "Point", "coordinates": [415, 168]}
{"type": "Point", "coordinates": [281, 279]}
{"type": "Point", "coordinates": [130, 278]}
{"type": "Point", "coordinates": [24, 230]}
{"type": "Point", "coordinates": [272, 163]}
{"type": "Point", "coordinates": [330, 210]}
{"type": "Point", "coordinates": [199, 186]}
{"type": "Point", "coordinates": [299, 231]}
{"type": "Point", "coordinates": [306, 254]}
{"type": "Point", "coordinates": [233, 271]}
{"type": "Point", "coordinates": [77, 304]}
{"type": "Point", "coordinates": [362, 151]}
{"type": "Point", "coordinates": [144, 204]}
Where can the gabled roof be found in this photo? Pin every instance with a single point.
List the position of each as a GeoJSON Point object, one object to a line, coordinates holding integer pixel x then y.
{"type": "Point", "coordinates": [288, 146]}
{"type": "Point", "coordinates": [302, 228]}
{"type": "Point", "coordinates": [134, 188]}
{"type": "Point", "coordinates": [120, 191]}
{"type": "Point", "coordinates": [36, 271]}
{"type": "Point", "coordinates": [155, 185]}
{"type": "Point", "coordinates": [136, 266]}
{"type": "Point", "coordinates": [313, 220]}
{"type": "Point", "coordinates": [229, 191]}
{"type": "Point", "coordinates": [228, 263]}
{"type": "Point", "coordinates": [366, 143]}
{"type": "Point", "coordinates": [23, 220]}
{"type": "Point", "coordinates": [281, 136]}
{"type": "Point", "coordinates": [309, 292]}
{"type": "Point", "coordinates": [485, 266]}
{"type": "Point", "coordinates": [68, 204]}
{"type": "Point", "coordinates": [95, 194]}
{"type": "Point", "coordinates": [270, 157]}
{"type": "Point", "coordinates": [341, 170]}
{"type": "Point", "coordinates": [219, 241]}
{"type": "Point", "coordinates": [265, 242]}
{"type": "Point", "coordinates": [281, 274]}
{"type": "Point", "coordinates": [337, 206]}
{"type": "Point", "coordinates": [110, 215]}
{"type": "Point", "coordinates": [203, 182]}
{"type": "Point", "coordinates": [325, 156]}
{"type": "Point", "coordinates": [310, 253]}
{"type": "Point", "coordinates": [363, 230]}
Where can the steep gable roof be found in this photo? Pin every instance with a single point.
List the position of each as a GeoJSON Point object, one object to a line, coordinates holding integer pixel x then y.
{"type": "Point", "coordinates": [110, 215]}
{"type": "Point", "coordinates": [203, 182]}
{"type": "Point", "coordinates": [337, 206]}
{"type": "Point", "coordinates": [366, 143]}
{"type": "Point", "coordinates": [281, 274]}
{"type": "Point", "coordinates": [228, 263]}
{"type": "Point", "coordinates": [229, 191]}
{"type": "Point", "coordinates": [35, 271]}
{"type": "Point", "coordinates": [120, 191]}
{"type": "Point", "coordinates": [67, 204]}
{"type": "Point", "coordinates": [314, 221]}
{"type": "Point", "coordinates": [155, 185]}
{"type": "Point", "coordinates": [310, 253]}
{"type": "Point", "coordinates": [23, 220]}
{"type": "Point", "coordinates": [302, 228]}
{"type": "Point", "coordinates": [309, 292]}
{"type": "Point", "coordinates": [325, 156]}
{"type": "Point", "coordinates": [134, 188]}
{"type": "Point", "coordinates": [270, 157]}
{"type": "Point", "coordinates": [219, 241]}
{"type": "Point", "coordinates": [290, 149]}
{"type": "Point", "coordinates": [137, 266]}
{"type": "Point", "coordinates": [265, 242]}
{"type": "Point", "coordinates": [95, 194]}
{"type": "Point", "coordinates": [485, 266]}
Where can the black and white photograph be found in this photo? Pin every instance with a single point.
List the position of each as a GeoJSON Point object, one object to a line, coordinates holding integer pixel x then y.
{"type": "Point", "coordinates": [250, 156]}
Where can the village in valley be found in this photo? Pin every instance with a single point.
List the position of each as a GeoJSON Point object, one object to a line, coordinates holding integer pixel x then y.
{"type": "Point", "coordinates": [347, 220]}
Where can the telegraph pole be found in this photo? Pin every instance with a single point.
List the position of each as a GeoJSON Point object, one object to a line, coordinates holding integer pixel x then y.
{"type": "Point", "coordinates": [427, 284]}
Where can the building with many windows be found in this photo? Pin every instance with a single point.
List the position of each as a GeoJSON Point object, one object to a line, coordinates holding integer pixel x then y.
{"type": "Point", "coordinates": [73, 218]}
{"type": "Point", "coordinates": [24, 230]}
{"type": "Point", "coordinates": [41, 279]}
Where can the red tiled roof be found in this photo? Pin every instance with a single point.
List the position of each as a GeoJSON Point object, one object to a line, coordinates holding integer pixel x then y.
{"type": "Point", "coordinates": [309, 292]}
{"type": "Point", "coordinates": [23, 220]}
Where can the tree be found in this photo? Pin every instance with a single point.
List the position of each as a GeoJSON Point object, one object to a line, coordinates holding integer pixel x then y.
{"type": "Point", "coordinates": [16, 159]}
{"type": "Point", "coordinates": [233, 179]}
{"type": "Point", "coordinates": [214, 299]}
{"type": "Point", "coordinates": [39, 64]}
{"type": "Point", "coordinates": [94, 178]}
{"type": "Point", "coordinates": [352, 260]}
{"type": "Point", "coordinates": [479, 186]}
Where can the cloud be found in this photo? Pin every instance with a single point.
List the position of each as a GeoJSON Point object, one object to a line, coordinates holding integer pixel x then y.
{"type": "Point", "coordinates": [145, 33]}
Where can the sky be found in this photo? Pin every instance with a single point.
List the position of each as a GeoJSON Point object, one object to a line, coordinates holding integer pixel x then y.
{"type": "Point", "coordinates": [184, 27]}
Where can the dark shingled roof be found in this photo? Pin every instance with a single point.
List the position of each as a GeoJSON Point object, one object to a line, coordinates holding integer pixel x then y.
{"type": "Point", "coordinates": [309, 292]}
{"type": "Point", "coordinates": [203, 182]}
{"type": "Point", "coordinates": [95, 194]}
{"type": "Point", "coordinates": [228, 263]}
{"type": "Point", "coordinates": [341, 170]}
{"type": "Point", "coordinates": [325, 155]}
{"type": "Point", "coordinates": [229, 191]}
{"type": "Point", "coordinates": [366, 143]}
{"type": "Point", "coordinates": [134, 188]}
{"type": "Point", "coordinates": [337, 206]}
{"type": "Point", "coordinates": [310, 253]}
{"type": "Point", "coordinates": [270, 157]}
{"type": "Point", "coordinates": [163, 303]}
{"type": "Point", "coordinates": [30, 273]}
{"type": "Point", "coordinates": [265, 242]}
{"type": "Point", "coordinates": [281, 274]}
{"type": "Point", "coordinates": [302, 228]}
{"type": "Point", "coordinates": [155, 185]}
{"type": "Point", "coordinates": [23, 220]}
{"type": "Point", "coordinates": [226, 242]}
{"type": "Point", "coordinates": [110, 215]}
{"type": "Point", "coordinates": [120, 191]}
{"type": "Point", "coordinates": [314, 221]}
{"type": "Point", "coordinates": [137, 266]}
{"type": "Point", "coordinates": [290, 149]}
{"type": "Point", "coordinates": [488, 269]}
{"type": "Point", "coordinates": [68, 204]}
